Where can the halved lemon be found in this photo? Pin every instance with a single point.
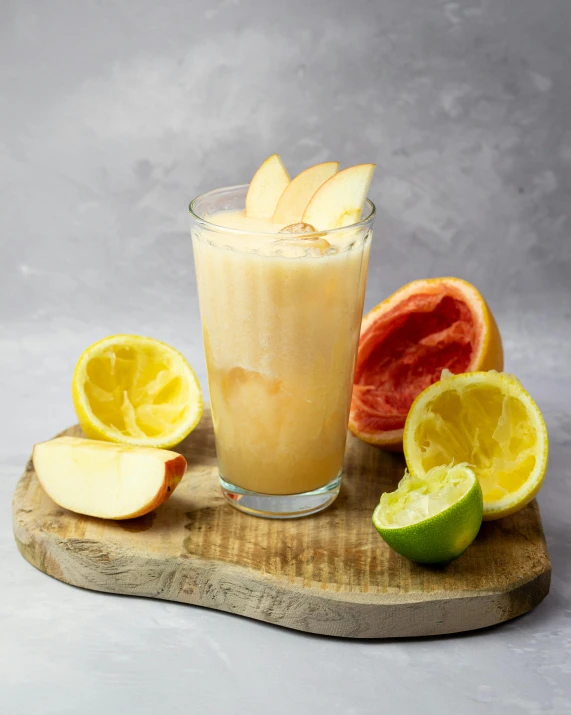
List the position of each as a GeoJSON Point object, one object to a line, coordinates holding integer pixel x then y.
{"type": "Point", "coordinates": [434, 518]}
{"type": "Point", "coordinates": [489, 421]}
{"type": "Point", "coordinates": [136, 390]}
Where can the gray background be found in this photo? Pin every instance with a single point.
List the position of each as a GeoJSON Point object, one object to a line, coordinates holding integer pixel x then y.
{"type": "Point", "coordinates": [112, 116]}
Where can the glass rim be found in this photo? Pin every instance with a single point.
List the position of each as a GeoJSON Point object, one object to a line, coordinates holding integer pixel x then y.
{"type": "Point", "coordinates": [242, 232]}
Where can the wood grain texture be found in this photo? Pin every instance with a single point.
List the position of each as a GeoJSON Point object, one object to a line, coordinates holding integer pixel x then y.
{"type": "Point", "coordinates": [329, 574]}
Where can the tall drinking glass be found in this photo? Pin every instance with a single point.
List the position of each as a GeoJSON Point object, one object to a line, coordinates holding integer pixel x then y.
{"type": "Point", "coordinates": [281, 315]}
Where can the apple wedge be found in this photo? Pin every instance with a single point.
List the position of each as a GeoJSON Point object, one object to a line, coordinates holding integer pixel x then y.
{"type": "Point", "coordinates": [339, 201]}
{"type": "Point", "coordinates": [266, 187]}
{"type": "Point", "coordinates": [104, 479]}
{"type": "Point", "coordinates": [299, 191]}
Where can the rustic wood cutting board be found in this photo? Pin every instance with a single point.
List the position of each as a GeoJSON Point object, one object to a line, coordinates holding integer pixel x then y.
{"type": "Point", "coordinates": [330, 573]}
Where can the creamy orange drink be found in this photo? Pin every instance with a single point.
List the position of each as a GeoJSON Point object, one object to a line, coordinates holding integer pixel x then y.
{"type": "Point", "coordinates": [281, 313]}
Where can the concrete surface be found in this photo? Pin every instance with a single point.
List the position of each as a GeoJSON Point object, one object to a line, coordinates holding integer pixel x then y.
{"type": "Point", "coordinates": [112, 116]}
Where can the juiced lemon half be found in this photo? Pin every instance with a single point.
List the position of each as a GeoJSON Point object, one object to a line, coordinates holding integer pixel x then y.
{"type": "Point", "coordinates": [489, 421]}
{"type": "Point", "coordinates": [136, 390]}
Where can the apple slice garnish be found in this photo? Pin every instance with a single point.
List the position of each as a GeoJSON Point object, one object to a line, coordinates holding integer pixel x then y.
{"type": "Point", "coordinates": [266, 187]}
{"type": "Point", "coordinates": [339, 201]}
{"type": "Point", "coordinates": [104, 479]}
{"type": "Point", "coordinates": [299, 191]}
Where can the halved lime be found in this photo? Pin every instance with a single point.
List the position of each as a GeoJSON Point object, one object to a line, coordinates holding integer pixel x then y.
{"type": "Point", "coordinates": [434, 518]}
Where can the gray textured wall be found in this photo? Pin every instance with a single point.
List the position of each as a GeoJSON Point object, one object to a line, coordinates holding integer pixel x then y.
{"type": "Point", "coordinates": [114, 114]}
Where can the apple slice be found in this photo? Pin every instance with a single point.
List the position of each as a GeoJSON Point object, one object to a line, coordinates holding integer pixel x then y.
{"type": "Point", "coordinates": [339, 201]}
{"type": "Point", "coordinates": [266, 187]}
{"type": "Point", "coordinates": [104, 479]}
{"type": "Point", "coordinates": [299, 191]}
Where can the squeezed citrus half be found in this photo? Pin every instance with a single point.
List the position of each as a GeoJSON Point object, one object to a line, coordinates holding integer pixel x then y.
{"type": "Point", "coordinates": [406, 341]}
{"type": "Point", "coordinates": [488, 420]}
{"type": "Point", "coordinates": [431, 519]}
{"type": "Point", "coordinates": [136, 390]}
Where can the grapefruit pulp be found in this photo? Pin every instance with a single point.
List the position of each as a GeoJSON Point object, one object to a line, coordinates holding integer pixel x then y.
{"type": "Point", "coordinates": [406, 341]}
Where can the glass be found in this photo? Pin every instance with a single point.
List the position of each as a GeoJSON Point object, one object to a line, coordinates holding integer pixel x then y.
{"type": "Point", "coordinates": [281, 316]}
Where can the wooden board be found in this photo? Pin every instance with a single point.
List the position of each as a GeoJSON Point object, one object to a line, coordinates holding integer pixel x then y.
{"type": "Point", "coordinates": [330, 573]}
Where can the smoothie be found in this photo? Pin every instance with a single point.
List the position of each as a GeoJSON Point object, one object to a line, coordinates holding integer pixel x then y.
{"type": "Point", "coordinates": [281, 317]}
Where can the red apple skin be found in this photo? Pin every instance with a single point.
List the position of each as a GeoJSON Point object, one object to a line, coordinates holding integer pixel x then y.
{"type": "Point", "coordinates": [174, 472]}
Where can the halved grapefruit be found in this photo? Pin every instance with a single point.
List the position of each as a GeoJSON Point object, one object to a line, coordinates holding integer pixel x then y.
{"type": "Point", "coordinates": [406, 342]}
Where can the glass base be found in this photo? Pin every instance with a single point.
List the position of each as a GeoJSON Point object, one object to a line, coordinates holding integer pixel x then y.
{"type": "Point", "coordinates": [281, 506]}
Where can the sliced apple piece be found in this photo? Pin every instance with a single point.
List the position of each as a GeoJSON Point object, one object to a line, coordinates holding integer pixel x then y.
{"type": "Point", "coordinates": [266, 187]}
{"type": "Point", "coordinates": [339, 201]}
{"type": "Point", "coordinates": [299, 191]}
{"type": "Point", "coordinates": [104, 479]}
